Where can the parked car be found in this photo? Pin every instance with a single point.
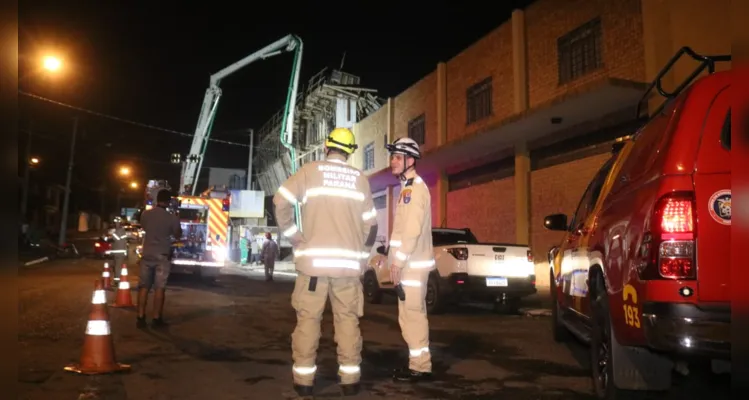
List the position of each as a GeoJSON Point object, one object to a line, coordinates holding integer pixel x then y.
{"type": "Point", "coordinates": [102, 247]}
{"type": "Point", "coordinates": [630, 276]}
{"type": "Point", "coordinates": [466, 269]}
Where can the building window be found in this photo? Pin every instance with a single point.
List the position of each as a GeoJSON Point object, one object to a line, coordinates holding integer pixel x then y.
{"type": "Point", "coordinates": [417, 129]}
{"type": "Point", "coordinates": [580, 51]}
{"type": "Point", "coordinates": [369, 156]}
{"type": "Point", "coordinates": [479, 101]}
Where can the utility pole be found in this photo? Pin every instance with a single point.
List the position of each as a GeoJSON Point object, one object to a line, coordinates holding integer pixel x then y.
{"type": "Point", "coordinates": [249, 168]}
{"type": "Point", "coordinates": [26, 174]}
{"type": "Point", "coordinates": [66, 203]}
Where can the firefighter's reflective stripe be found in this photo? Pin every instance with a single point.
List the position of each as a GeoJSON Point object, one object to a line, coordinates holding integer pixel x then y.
{"type": "Point", "coordinates": [401, 256]}
{"type": "Point", "coordinates": [291, 231]}
{"type": "Point", "coordinates": [116, 251]}
{"type": "Point", "coordinates": [349, 369]}
{"type": "Point", "coordinates": [331, 252]}
{"type": "Point", "coordinates": [116, 237]}
{"type": "Point", "coordinates": [287, 195]}
{"type": "Point", "coordinates": [395, 243]}
{"type": "Point", "coordinates": [411, 283]}
{"type": "Point", "coordinates": [418, 352]}
{"type": "Point", "coordinates": [97, 328]}
{"type": "Point", "coordinates": [333, 192]}
{"type": "Point", "coordinates": [305, 370]}
{"type": "Point", "coordinates": [367, 215]}
{"type": "Point", "coordinates": [99, 297]}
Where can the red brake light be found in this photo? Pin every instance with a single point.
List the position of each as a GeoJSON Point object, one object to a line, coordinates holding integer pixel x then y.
{"type": "Point", "coordinates": [669, 247]}
{"type": "Point", "coordinates": [676, 216]}
{"type": "Point", "coordinates": [530, 256]}
{"type": "Point", "coordinates": [460, 253]}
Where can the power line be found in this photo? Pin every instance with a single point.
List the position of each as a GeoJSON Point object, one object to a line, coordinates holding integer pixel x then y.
{"type": "Point", "coordinates": [123, 120]}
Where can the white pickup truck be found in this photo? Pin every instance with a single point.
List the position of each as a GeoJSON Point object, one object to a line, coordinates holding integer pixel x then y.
{"type": "Point", "coordinates": [466, 270]}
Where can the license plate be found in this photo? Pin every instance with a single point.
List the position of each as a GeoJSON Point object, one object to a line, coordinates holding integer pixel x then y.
{"type": "Point", "coordinates": [494, 282]}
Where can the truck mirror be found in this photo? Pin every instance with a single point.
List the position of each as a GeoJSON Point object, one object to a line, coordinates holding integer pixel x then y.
{"type": "Point", "coordinates": [556, 222]}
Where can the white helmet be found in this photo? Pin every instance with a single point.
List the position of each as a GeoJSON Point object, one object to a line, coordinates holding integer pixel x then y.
{"type": "Point", "coordinates": [404, 145]}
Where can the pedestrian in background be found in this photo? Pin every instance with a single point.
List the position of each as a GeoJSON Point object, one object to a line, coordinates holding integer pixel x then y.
{"type": "Point", "coordinates": [268, 255]}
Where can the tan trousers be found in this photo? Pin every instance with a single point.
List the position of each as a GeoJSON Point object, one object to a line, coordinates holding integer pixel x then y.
{"type": "Point", "coordinates": [412, 316]}
{"type": "Point", "coordinates": [347, 302]}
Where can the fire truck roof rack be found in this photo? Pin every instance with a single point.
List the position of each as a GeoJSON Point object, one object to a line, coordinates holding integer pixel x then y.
{"type": "Point", "coordinates": [705, 62]}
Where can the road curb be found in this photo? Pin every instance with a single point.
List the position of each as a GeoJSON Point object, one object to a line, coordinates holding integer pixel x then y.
{"type": "Point", "coordinates": [37, 261]}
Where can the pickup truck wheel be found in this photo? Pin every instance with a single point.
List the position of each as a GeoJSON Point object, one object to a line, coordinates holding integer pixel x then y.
{"type": "Point", "coordinates": [372, 288]}
{"type": "Point", "coordinates": [558, 330]}
{"type": "Point", "coordinates": [434, 302]}
{"type": "Point", "coordinates": [601, 357]}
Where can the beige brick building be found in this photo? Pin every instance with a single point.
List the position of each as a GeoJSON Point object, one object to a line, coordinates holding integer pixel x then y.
{"type": "Point", "coordinates": [514, 126]}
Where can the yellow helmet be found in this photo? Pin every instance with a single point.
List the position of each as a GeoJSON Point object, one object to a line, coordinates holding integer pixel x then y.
{"type": "Point", "coordinates": [343, 139]}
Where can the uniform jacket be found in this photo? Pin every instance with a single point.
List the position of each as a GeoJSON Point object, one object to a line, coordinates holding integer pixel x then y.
{"type": "Point", "coordinates": [337, 214]}
{"type": "Point", "coordinates": [120, 239]}
{"type": "Point", "coordinates": [411, 240]}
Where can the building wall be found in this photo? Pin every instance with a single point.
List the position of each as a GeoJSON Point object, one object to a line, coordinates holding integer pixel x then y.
{"type": "Point", "coordinates": [487, 209]}
{"type": "Point", "coordinates": [489, 56]}
{"type": "Point", "coordinates": [421, 98]}
{"type": "Point", "coordinates": [372, 129]}
{"type": "Point", "coordinates": [546, 21]}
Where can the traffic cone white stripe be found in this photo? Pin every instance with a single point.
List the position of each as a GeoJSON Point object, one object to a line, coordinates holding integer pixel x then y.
{"type": "Point", "coordinates": [105, 274]}
{"type": "Point", "coordinates": [124, 285]}
{"type": "Point", "coordinates": [100, 297]}
{"type": "Point", "coordinates": [123, 272]}
{"type": "Point", "coordinates": [97, 328]}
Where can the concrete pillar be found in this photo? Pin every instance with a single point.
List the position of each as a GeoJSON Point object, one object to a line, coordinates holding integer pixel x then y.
{"type": "Point", "coordinates": [521, 104]}
{"type": "Point", "coordinates": [441, 104]}
{"type": "Point", "coordinates": [442, 180]}
{"type": "Point", "coordinates": [522, 194]}
{"type": "Point", "coordinates": [519, 62]}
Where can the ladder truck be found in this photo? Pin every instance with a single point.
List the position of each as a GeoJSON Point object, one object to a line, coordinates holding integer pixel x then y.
{"type": "Point", "coordinates": [209, 249]}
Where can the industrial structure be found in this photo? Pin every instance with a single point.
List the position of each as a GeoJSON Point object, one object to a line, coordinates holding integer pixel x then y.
{"type": "Point", "coordinates": [331, 98]}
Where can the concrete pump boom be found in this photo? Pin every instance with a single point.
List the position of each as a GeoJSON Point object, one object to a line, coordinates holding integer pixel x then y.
{"type": "Point", "coordinates": [194, 160]}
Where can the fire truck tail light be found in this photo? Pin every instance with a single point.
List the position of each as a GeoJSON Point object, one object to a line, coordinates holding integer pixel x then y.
{"type": "Point", "coordinates": [668, 250]}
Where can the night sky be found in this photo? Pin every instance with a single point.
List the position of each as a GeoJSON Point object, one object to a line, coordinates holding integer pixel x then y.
{"type": "Point", "coordinates": [150, 62]}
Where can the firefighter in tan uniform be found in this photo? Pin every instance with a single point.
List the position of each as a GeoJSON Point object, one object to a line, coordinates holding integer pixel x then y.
{"type": "Point", "coordinates": [338, 224]}
{"type": "Point", "coordinates": [411, 258]}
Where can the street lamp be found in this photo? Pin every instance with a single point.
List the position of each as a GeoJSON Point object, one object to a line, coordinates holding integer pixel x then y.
{"type": "Point", "coordinates": [124, 171]}
{"type": "Point", "coordinates": [34, 161]}
{"type": "Point", "coordinates": [52, 63]}
{"type": "Point", "coordinates": [134, 185]}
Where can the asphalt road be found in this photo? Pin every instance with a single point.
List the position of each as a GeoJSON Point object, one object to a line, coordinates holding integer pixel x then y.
{"type": "Point", "coordinates": [231, 340]}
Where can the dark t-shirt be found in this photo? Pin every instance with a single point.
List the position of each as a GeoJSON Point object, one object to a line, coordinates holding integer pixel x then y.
{"type": "Point", "coordinates": [159, 227]}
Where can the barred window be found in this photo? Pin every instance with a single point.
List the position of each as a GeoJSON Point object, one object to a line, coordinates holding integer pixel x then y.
{"type": "Point", "coordinates": [479, 101]}
{"type": "Point", "coordinates": [417, 129]}
{"type": "Point", "coordinates": [579, 51]}
{"type": "Point", "coordinates": [369, 156]}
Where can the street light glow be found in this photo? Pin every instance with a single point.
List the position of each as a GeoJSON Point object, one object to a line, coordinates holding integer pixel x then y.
{"type": "Point", "coordinates": [34, 160]}
{"type": "Point", "coordinates": [52, 63]}
{"type": "Point", "coordinates": [125, 171]}
{"type": "Point", "coordinates": [134, 185]}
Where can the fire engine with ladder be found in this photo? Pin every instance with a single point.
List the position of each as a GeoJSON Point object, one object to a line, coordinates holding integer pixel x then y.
{"type": "Point", "coordinates": [204, 246]}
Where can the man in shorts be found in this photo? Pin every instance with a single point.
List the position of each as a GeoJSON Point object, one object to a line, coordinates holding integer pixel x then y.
{"type": "Point", "coordinates": [160, 226]}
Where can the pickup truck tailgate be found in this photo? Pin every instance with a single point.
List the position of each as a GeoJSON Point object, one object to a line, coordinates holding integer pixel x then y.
{"type": "Point", "coordinates": [499, 260]}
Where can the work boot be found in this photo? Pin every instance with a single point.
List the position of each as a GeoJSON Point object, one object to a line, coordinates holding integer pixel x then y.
{"type": "Point", "coordinates": [304, 391]}
{"type": "Point", "coordinates": [158, 323]}
{"type": "Point", "coordinates": [140, 322]}
{"type": "Point", "coordinates": [411, 376]}
{"type": "Point", "coordinates": [350, 389]}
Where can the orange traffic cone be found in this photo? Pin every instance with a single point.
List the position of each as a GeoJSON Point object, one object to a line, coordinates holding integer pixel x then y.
{"type": "Point", "coordinates": [106, 278]}
{"type": "Point", "coordinates": [124, 297]}
{"type": "Point", "coordinates": [98, 347]}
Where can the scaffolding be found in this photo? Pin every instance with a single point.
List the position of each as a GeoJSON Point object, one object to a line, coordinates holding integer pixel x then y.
{"type": "Point", "coordinates": [331, 98]}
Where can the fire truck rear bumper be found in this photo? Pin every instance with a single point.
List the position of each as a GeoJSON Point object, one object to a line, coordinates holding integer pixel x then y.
{"type": "Point", "coordinates": [194, 266]}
